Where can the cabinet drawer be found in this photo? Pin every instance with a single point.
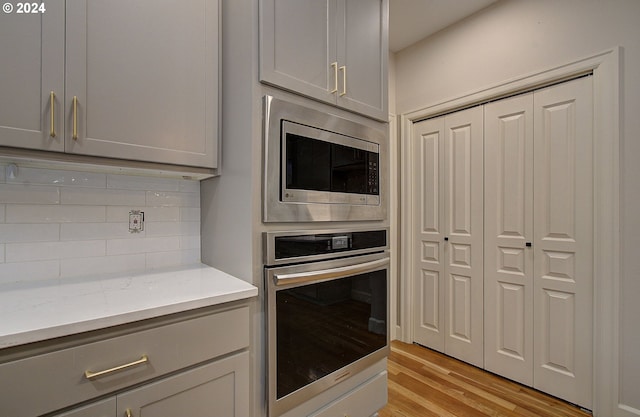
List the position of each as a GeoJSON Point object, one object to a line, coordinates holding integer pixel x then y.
{"type": "Point", "coordinates": [363, 401]}
{"type": "Point", "coordinates": [47, 382]}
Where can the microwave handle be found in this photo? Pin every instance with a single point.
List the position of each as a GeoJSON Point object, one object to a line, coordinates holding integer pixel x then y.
{"type": "Point", "coordinates": [328, 274]}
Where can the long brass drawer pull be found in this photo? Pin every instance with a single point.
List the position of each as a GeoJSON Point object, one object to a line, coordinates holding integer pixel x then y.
{"type": "Point", "coordinates": [128, 413]}
{"type": "Point", "coordinates": [334, 65]}
{"type": "Point", "coordinates": [74, 135]}
{"type": "Point", "coordinates": [91, 375]}
{"type": "Point", "coordinates": [344, 80]}
{"type": "Point", "coordinates": [52, 127]}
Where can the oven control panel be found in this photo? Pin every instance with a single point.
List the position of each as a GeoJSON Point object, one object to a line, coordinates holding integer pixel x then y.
{"type": "Point", "coordinates": [292, 247]}
{"type": "Point", "coordinates": [340, 242]}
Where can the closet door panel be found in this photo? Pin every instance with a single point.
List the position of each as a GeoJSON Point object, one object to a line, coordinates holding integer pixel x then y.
{"type": "Point", "coordinates": [563, 247]}
{"type": "Point", "coordinates": [508, 218]}
{"type": "Point", "coordinates": [463, 201]}
{"type": "Point", "coordinates": [428, 236]}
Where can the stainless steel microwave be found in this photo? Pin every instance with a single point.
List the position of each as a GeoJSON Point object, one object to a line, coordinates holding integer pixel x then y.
{"type": "Point", "coordinates": [320, 167]}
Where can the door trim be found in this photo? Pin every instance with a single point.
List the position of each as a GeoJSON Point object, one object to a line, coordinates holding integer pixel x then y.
{"type": "Point", "coordinates": [606, 221]}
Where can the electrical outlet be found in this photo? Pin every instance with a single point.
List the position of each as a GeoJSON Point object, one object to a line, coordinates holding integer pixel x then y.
{"type": "Point", "coordinates": [136, 221]}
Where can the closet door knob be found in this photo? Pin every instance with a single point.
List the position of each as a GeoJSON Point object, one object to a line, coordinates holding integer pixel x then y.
{"type": "Point", "coordinates": [446, 238]}
{"type": "Point", "coordinates": [528, 244]}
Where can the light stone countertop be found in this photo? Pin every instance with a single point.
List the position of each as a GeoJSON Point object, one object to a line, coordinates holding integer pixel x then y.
{"type": "Point", "coordinates": [39, 310]}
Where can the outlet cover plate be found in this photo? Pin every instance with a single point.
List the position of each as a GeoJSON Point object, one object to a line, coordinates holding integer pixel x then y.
{"type": "Point", "coordinates": [136, 221]}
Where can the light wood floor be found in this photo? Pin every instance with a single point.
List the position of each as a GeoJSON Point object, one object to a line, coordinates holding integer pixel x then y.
{"type": "Point", "coordinates": [424, 383]}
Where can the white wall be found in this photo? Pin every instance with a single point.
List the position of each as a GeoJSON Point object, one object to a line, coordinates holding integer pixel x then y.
{"type": "Point", "coordinates": [516, 38]}
{"type": "Point", "coordinates": [60, 223]}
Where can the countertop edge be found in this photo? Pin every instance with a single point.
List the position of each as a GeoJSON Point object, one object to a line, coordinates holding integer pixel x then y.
{"type": "Point", "coordinates": [243, 291]}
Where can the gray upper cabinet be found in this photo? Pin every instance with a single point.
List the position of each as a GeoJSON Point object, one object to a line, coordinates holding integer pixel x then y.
{"type": "Point", "coordinates": [363, 52]}
{"type": "Point", "coordinates": [145, 75]}
{"type": "Point", "coordinates": [335, 51]}
{"type": "Point", "coordinates": [32, 78]}
{"type": "Point", "coordinates": [131, 80]}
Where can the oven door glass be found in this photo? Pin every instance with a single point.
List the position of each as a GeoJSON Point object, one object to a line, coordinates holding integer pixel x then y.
{"type": "Point", "coordinates": [325, 326]}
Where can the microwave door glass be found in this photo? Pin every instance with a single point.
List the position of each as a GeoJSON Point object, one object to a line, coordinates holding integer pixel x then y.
{"type": "Point", "coordinates": [308, 163]}
{"type": "Point", "coordinates": [317, 165]}
{"type": "Point", "coordinates": [348, 170]}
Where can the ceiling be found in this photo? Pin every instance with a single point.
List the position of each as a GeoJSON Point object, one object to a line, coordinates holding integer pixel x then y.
{"type": "Point", "coordinates": [413, 20]}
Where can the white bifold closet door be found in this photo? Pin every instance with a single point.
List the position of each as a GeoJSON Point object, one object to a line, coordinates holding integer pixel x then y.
{"type": "Point", "coordinates": [563, 241]}
{"type": "Point", "coordinates": [508, 220]}
{"type": "Point", "coordinates": [539, 239]}
{"type": "Point", "coordinates": [448, 205]}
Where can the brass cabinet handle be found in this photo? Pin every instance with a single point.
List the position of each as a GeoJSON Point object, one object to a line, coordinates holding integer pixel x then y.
{"type": "Point", "coordinates": [128, 413]}
{"type": "Point", "coordinates": [344, 80]}
{"type": "Point", "coordinates": [52, 128]}
{"type": "Point", "coordinates": [334, 65]}
{"type": "Point", "coordinates": [74, 136]}
{"type": "Point", "coordinates": [91, 375]}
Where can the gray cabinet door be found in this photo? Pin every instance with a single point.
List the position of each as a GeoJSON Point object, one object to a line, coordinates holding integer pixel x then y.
{"type": "Point", "coordinates": [32, 51]}
{"type": "Point", "coordinates": [363, 55]}
{"type": "Point", "coordinates": [298, 46]}
{"type": "Point", "coordinates": [219, 388]}
{"type": "Point", "coordinates": [104, 408]}
{"type": "Point", "coordinates": [334, 51]}
{"type": "Point", "coordinates": [145, 77]}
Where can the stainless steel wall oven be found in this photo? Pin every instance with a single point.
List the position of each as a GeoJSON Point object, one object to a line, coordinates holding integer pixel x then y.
{"type": "Point", "coordinates": [327, 310]}
{"type": "Point", "coordinates": [320, 167]}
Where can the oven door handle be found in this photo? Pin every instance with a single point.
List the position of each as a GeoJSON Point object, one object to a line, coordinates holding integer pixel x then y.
{"type": "Point", "coordinates": [328, 274]}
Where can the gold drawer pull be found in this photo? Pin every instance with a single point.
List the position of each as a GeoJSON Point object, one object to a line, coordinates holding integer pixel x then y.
{"type": "Point", "coordinates": [91, 375]}
{"type": "Point", "coordinates": [128, 413]}
{"type": "Point", "coordinates": [52, 127]}
{"type": "Point", "coordinates": [74, 135]}
{"type": "Point", "coordinates": [344, 80]}
{"type": "Point", "coordinates": [334, 65]}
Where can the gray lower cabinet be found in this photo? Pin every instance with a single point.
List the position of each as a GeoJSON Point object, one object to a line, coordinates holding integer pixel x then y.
{"type": "Point", "coordinates": [189, 364]}
{"type": "Point", "coordinates": [104, 408]}
{"type": "Point", "coordinates": [215, 389]}
{"type": "Point", "coordinates": [117, 79]}
{"type": "Point", "coordinates": [335, 51]}
{"type": "Point", "coordinates": [363, 401]}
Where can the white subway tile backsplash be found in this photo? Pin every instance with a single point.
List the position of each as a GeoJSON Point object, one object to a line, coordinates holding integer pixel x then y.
{"type": "Point", "coordinates": [19, 213]}
{"type": "Point", "coordinates": [102, 197]}
{"type": "Point", "coordinates": [190, 214]}
{"type": "Point", "coordinates": [189, 186]}
{"type": "Point", "coordinates": [102, 265]}
{"type": "Point", "coordinates": [133, 182]}
{"type": "Point", "coordinates": [162, 214]}
{"type": "Point", "coordinates": [168, 198]}
{"type": "Point", "coordinates": [10, 233]}
{"type": "Point", "coordinates": [190, 242]}
{"type": "Point", "coordinates": [57, 223]}
{"type": "Point", "coordinates": [144, 245]}
{"type": "Point", "coordinates": [21, 252]}
{"type": "Point", "coordinates": [28, 194]}
{"type": "Point", "coordinates": [58, 178]}
{"type": "Point", "coordinates": [89, 231]}
{"type": "Point", "coordinates": [151, 214]}
{"type": "Point", "coordinates": [166, 259]}
{"type": "Point", "coordinates": [172, 229]}
{"type": "Point", "coordinates": [29, 271]}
